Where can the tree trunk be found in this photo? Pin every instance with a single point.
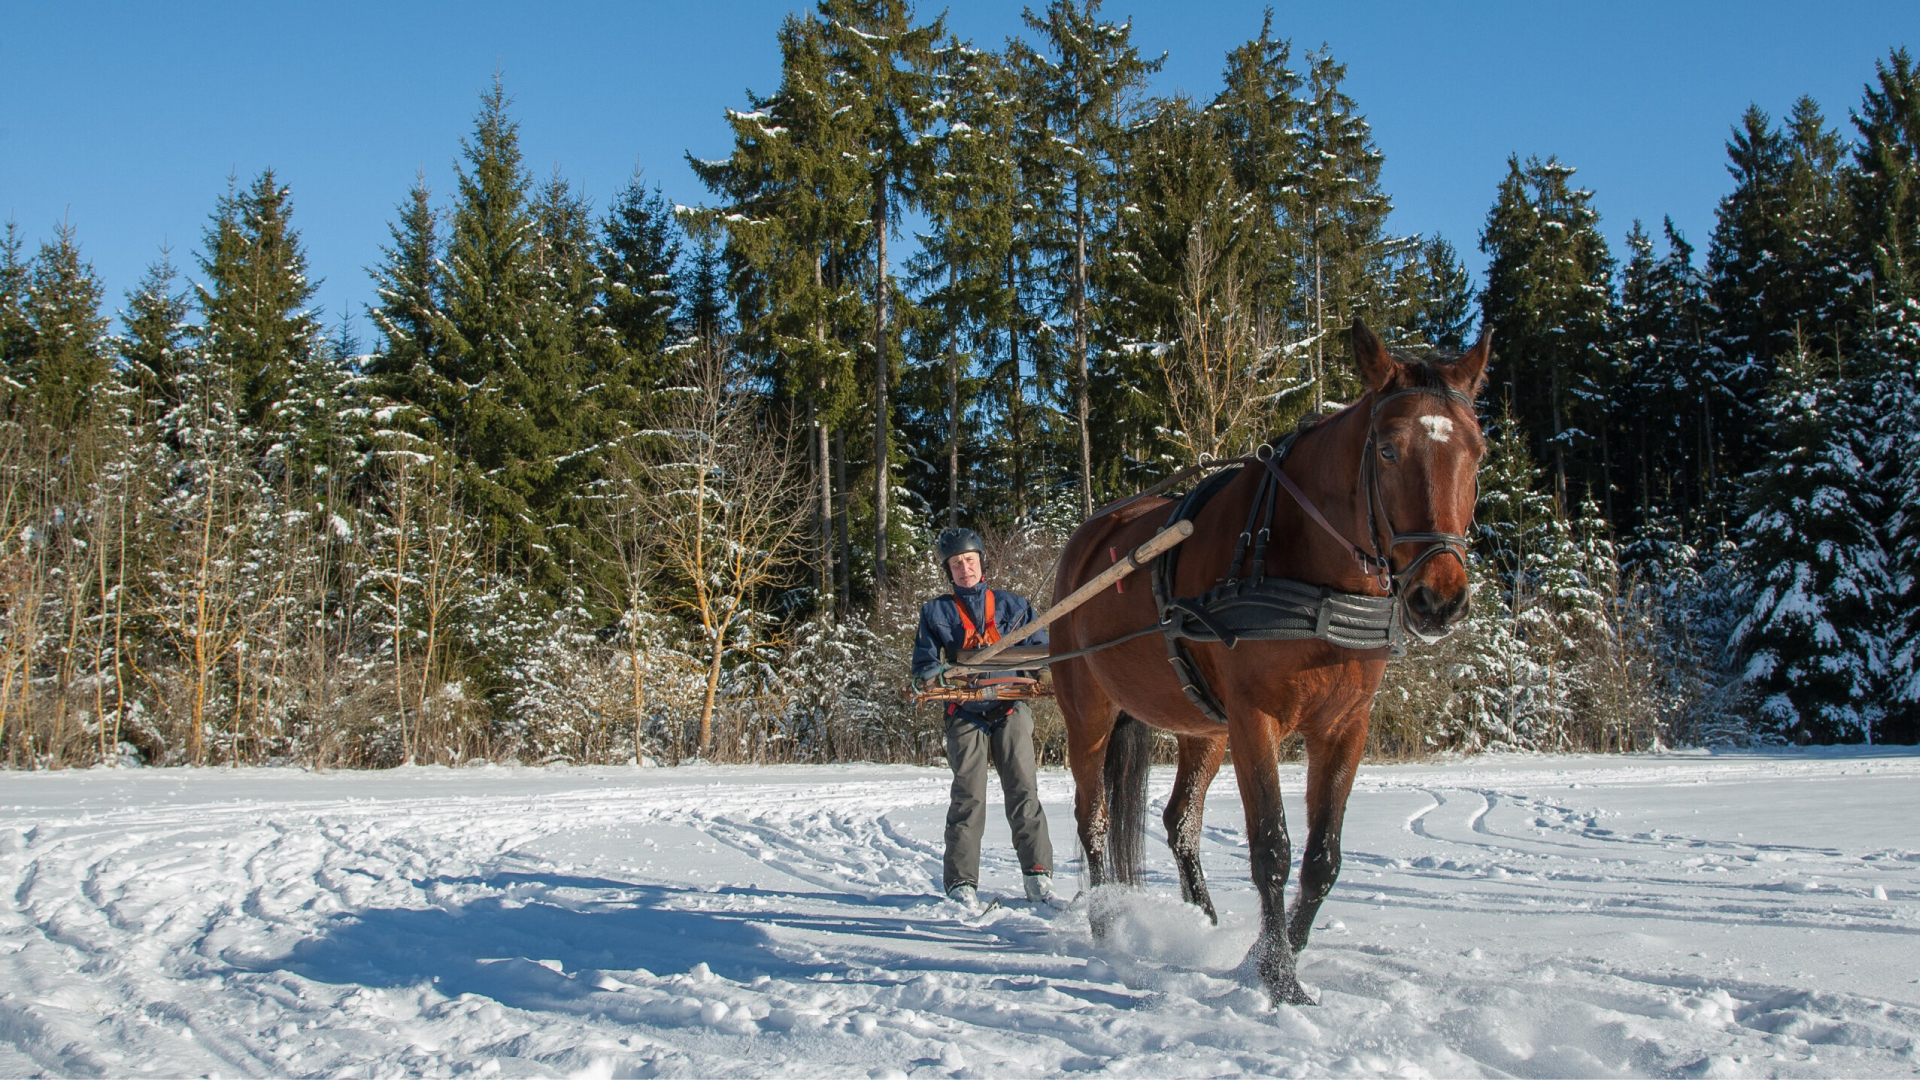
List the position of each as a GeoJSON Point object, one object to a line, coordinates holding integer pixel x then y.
{"type": "Point", "coordinates": [1319, 324]}
{"type": "Point", "coordinates": [882, 475]}
{"type": "Point", "coordinates": [840, 519]}
{"type": "Point", "coordinates": [953, 405]}
{"type": "Point", "coordinates": [713, 691]}
{"type": "Point", "coordinates": [823, 457]}
{"type": "Point", "coordinates": [1559, 447]}
{"type": "Point", "coordinates": [1080, 392]}
{"type": "Point", "coordinates": [1016, 442]}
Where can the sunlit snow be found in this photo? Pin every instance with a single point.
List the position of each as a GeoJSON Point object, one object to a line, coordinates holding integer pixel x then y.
{"type": "Point", "coordinates": [1686, 914]}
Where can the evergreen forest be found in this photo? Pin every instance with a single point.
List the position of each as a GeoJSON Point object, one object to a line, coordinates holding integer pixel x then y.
{"type": "Point", "coordinates": [660, 482]}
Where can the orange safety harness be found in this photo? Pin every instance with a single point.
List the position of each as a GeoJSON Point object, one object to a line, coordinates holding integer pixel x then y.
{"type": "Point", "coordinates": [975, 639]}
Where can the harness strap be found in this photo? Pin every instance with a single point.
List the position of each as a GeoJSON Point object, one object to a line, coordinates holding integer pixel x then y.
{"type": "Point", "coordinates": [1369, 562]}
{"type": "Point", "coordinates": [975, 638]}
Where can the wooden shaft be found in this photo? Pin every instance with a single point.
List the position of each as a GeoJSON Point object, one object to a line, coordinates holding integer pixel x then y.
{"type": "Point", "coordinates": [1139, 557]}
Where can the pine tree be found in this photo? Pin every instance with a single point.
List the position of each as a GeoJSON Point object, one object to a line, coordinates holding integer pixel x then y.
{"type": "Point", "coordinates": [1668, 393]}
{"type": "Point", "coordinates": [1549, 291]}
{"type": "Point", "coordinates": [156, 343]}
{"type": "Point", "coordinates": [255, 324]}
{"type": "Point", "coordinates": [1339, 213]}
{"type": "Point", "coordinates": [1886, 198]}
{"type": "Point", "coordinates": [969, 196]}
{"type": "Point", "coordinates": [639, 249]}
{"type": "Point", "coordinates": [1439, 312]}
{"type": "Point", "coordinates": [409, 367]}
{"type": "Point", "coordinates": [66, 358]}
{"type": "Point", "coordinates": [1778, 265]}
{"type": "Point", "coordinates": [1818, 590]}
{"type": "Point", "coordinates": [882, 60]}
{"type": "Point", "coordinates": [1081, 83]}
{"type": "Point", "coordinates": [797, 218]}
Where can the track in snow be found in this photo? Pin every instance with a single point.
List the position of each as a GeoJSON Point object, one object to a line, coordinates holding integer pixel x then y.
{"type": "Point", "coordinates": [1679, 915]}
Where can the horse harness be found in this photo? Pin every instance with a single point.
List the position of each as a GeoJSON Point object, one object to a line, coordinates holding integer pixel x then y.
{"type": "Point", "coordinates": [1254, 607]}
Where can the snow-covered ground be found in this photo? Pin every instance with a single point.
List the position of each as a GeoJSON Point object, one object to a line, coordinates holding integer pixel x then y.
{"type": "Point", "coordinates": [1690, 914]}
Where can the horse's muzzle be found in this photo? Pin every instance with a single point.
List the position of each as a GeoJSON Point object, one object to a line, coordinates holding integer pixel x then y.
{"type": "Point", "coordinates": [1430, 615]}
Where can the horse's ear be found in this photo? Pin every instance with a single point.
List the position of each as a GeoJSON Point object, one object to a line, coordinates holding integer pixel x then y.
{"type": "Point", "coordinates": [1472, 366]}
{"type": "Point", "coordinates": [1370, 357]}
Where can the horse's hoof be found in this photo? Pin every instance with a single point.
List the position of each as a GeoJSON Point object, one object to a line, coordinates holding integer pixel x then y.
{"type": "Point", "coordinates": [1291, 993]}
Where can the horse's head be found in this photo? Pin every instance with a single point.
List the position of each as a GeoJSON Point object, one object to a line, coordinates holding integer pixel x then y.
{"type": "Point", "coordinates": [1423, 454]}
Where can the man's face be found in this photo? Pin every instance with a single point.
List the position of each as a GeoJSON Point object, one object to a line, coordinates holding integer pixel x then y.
{"type": "Point", "coordinates": [965, 568]}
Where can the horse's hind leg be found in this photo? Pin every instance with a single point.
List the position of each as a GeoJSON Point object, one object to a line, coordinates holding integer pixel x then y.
{"type": "Point", "coordinates": [1332, 760]}
{"type": "Point", "coordinates": [1200, 759]}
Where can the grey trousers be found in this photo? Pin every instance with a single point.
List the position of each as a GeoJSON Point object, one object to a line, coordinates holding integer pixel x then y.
{"type": "Point", "coordinates": [1009, 746]}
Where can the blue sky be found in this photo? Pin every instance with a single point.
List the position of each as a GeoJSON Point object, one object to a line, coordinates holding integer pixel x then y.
{"type": "Point", "coordinates": [126, 119]}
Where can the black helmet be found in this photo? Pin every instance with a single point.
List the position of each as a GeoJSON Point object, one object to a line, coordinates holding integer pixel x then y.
{"type": "Point", "coordinates": [958, 542]}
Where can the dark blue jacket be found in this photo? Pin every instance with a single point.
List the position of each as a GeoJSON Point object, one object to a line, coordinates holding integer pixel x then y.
{"type": "Point", "coordinates": [941, 633]}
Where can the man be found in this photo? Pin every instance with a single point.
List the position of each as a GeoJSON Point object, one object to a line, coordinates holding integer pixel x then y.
{"type": "Point", "coordinates": [973, 617]}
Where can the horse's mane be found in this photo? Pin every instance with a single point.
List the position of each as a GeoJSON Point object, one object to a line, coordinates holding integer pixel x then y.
{"type": "Point", "coordinates": [1428, 371]}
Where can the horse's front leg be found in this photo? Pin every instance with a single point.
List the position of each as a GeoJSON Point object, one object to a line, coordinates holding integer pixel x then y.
{"type": "Point", "coordinates": [1200, 758]}
{"type": "Point", "coordinates": [1332, 760]}
{"type": "Point", "coordinates": [1256, 764]}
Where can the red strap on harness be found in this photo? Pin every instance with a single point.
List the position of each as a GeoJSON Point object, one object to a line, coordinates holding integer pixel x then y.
{"type": "Point", "coordinates": [975, 639]}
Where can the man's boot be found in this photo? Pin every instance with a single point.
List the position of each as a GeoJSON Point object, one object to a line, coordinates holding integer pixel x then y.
{"type": "Point", "coordinates": [1039, 887]}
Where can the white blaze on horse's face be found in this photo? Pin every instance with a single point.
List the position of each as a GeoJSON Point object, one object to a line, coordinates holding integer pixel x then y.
{"type": "Point", "coordinates": [1439, 428]}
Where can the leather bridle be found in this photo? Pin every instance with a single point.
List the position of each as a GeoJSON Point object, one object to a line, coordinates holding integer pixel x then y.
{"type": "Point", "coordinates": [1378, 563]}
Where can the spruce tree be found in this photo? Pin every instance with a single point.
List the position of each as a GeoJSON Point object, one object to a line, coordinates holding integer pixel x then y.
{"type": "Point", "coordinates": [1259, 116]}
{"type": "Point", "coordinates": [882, 61]}
{"type": "Point", "coordinates": [1082, 84]}
{"type": "Point", "coordinates": [1189, 246]}
{"type": "Point", "coordinates": [1339, 213]}
{"type": "Point", "coordinates": [969, 197]}
{"type": "Point", "coordinates": [409, 366]}
{"type": "Point", "coordinates": [639, 249]}
{"type": "Point", "coordinates": [797, 220]}
{"type": "Point", "coordinates": [1439, 312]}
{"type": "Point", "coordinates": [66, 358]}
{"type": "Point", "coordinates": [1668, 393]}
{"type": "Point", "coordinates": [255, 325]}
{"type": "Point", "coordinates": [16, 331]}
{"type": "Point", "coordinates": [508, 341]}
{"type": "Point", "coordinates": [1886, 197]}
{"type": "Point", "coordinates": [1549, 292]}
{"type": "Point", "coordinates": [1818, 590]}
{"type": "Point", "coordinates": [703, 291]}
{"type": "Point", "coordinates": [156, 343]}
{"type": "Point", "coordinates": [1779, 265]}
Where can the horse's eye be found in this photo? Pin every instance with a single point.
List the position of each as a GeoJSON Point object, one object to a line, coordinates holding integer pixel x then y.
{"type": "Point", "coordinates": [1388, 453]}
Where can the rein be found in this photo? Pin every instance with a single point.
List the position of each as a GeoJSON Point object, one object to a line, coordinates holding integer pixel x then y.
{"type": "Point", "coordinates": [1377, 563]}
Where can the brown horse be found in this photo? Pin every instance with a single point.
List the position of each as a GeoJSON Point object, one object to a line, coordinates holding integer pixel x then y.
{"type": "Point", "coordinates": [1393, 475]}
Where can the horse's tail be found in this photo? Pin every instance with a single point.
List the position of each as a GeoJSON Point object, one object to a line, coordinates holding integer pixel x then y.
{"type": "Point", "coordinates": [1129, 755]}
